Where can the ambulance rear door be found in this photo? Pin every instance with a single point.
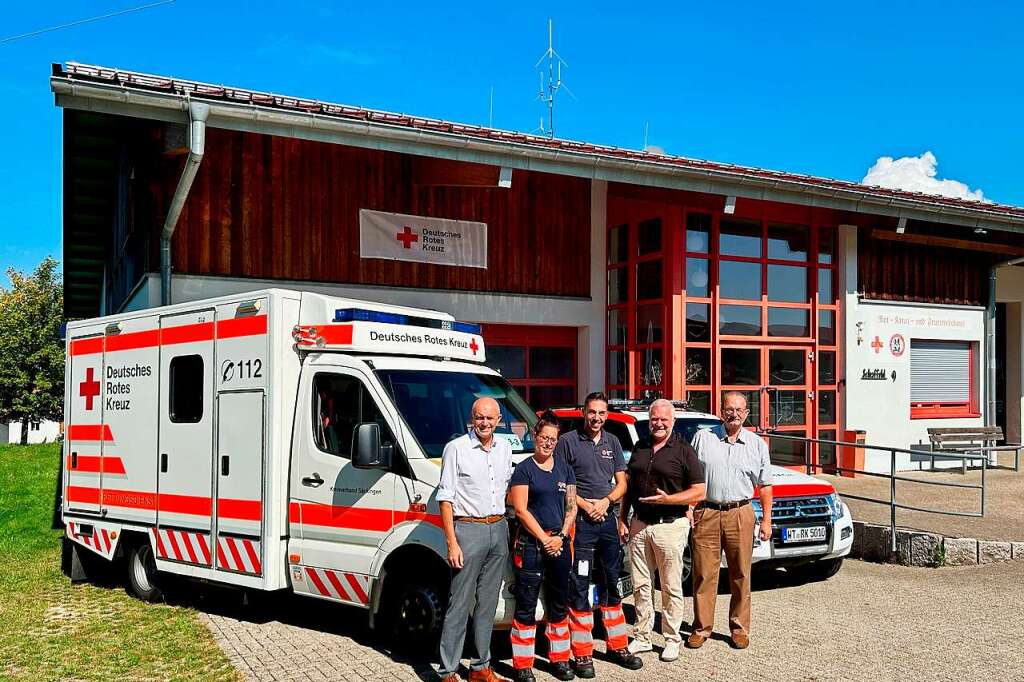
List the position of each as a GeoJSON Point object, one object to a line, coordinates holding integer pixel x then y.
{"type": "Point", "coordinates": [83, 442]}
{"type": "Point", "coordinates": [130, 382]}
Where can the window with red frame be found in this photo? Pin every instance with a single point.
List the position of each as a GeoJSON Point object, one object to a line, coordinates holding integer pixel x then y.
{"type": "Point", "coordinates": [943, 379]}
{"type": "Point", "coordinates": [540, 362]}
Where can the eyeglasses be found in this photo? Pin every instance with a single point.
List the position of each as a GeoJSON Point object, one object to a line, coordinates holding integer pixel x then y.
{"type": "Point", "coordinates": [550, 440]}
{"type": "Point", "coordinates": [739, 410]}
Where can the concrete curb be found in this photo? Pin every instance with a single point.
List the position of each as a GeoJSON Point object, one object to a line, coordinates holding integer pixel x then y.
{"type": "Point", "coordinates": [872, 542]}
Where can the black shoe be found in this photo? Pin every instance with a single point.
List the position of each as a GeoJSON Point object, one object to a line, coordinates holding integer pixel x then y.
{"type": "Point", "coordinates": [625, 659]}
{"type": "Point", "coordinates": [563, 671]}
{"type": "Point", "coordinates": [524, 675]}
{"type": "Point", "coordinates": [585, 667]}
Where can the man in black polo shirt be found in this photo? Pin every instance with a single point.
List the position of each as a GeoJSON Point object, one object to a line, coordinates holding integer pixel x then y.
{"type": "Point", "coordinates": [596, 458]}
{"type": "Point", "coordinates": [665, 479]}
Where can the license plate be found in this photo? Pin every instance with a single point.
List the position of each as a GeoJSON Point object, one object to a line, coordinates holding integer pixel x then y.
{"type": "Point", "coordinates": [803, 534]}
{"type": "Point", "coordinates": [625, 584]}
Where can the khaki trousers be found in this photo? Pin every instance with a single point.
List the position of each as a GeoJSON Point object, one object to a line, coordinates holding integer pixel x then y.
{"type": "Point", "coordinates": [658, 548]}
{"type": "Point", "coordinates": [730, 531]}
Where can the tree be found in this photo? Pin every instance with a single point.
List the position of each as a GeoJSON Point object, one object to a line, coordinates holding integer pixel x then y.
{"type": "Point", "coordinates": [31, 352]}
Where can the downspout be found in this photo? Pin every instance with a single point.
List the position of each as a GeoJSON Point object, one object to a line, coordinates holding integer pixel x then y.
{"type": "Point", "coordinates": [990, 342]}
{"type": "Point", "coordinates": [198, 114]}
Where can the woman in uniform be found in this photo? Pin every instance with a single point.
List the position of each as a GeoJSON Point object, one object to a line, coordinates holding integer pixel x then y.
{"type": "Point", "coordinates": [543, 492]}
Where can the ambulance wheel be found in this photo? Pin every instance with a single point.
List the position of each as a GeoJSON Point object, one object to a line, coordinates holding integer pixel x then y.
{"type": "Point", "coordinates": [416, 615]}
{"type": "Point", "coordinates": [143, 580]}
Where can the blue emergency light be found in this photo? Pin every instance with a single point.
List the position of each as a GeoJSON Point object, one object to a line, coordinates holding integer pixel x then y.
{"type": "Point", "coordinates": [364, 315]}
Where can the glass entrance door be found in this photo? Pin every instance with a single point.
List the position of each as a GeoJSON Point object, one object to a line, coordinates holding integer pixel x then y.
{"type": "Point", "coordinates": [778, 383]}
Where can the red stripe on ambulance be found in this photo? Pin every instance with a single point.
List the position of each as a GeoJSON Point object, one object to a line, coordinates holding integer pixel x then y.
{"type": "Point", "coordinates": [192, 505]}
{"type": "Point", "coordinates": [357, 592]}
{"type": "Point", "coordinates": [179, 540]}
{"type": "Point", "coordinates": [187, 333]}
{"type": "Point", "coordinates": [94, 464]}
{"type": "Point", "coordinates": [244, 560]}
{"type": "Point", "coordinates": [90, 432]}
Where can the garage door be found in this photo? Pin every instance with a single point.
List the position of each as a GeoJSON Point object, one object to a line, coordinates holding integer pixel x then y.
{"type": "Point", "coordinates": [539, 361]}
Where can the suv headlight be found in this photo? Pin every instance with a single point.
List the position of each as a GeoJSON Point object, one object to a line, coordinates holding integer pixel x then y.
{"type": "Point", "coordinates": [836, 503]}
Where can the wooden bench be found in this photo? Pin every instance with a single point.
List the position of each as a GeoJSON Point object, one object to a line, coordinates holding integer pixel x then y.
{"type": "Point", "coordinates": [967, 439]}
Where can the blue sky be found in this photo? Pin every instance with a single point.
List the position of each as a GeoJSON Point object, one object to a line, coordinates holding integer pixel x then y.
{"type": "Point", "coordinates": [815, 88]}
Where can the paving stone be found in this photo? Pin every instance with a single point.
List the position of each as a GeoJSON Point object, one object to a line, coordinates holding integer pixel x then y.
{"type": "Point", "coordinates": [924, 549]}
{"type": "Point", "coordinates": [991, 551]}
{"type": "Point", "coordinates": [960, 551]}
{"type": "Point", "coordinates": [870, 622]}
{"type": "Point", "coordinates": [1017, 550]}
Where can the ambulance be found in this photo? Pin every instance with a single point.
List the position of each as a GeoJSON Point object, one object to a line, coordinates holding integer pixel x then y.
{"type": "Point", "coordinates": [276, 440]}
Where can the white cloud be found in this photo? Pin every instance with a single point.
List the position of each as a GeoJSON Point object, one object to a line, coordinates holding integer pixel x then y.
{"type": "Point", "coordinates": [917, 174]}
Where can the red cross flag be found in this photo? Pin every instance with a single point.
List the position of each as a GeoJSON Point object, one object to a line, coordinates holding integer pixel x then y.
{"type": "Point", "coordinates": [395, 236]}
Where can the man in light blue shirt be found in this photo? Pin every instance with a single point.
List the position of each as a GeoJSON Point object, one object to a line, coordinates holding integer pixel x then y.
{"type": "Point", "coordinates": [475, 472]}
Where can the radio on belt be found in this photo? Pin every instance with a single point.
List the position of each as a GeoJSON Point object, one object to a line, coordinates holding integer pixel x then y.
{"type": "Point", "coordinates": [273, 440]}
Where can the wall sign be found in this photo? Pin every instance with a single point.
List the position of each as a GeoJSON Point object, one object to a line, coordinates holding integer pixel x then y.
{"type": "Point", "coordinates": [877, 374]}
{"type": "Point", "coordinates": [897, 345]}
{"type": "Point", "coordinates": [395, 236]}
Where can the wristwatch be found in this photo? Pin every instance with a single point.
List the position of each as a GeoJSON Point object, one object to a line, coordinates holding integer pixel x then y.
{"type": "Point", "coordinates": [565, 538]}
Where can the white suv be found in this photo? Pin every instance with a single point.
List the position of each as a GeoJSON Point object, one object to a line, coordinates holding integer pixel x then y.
{"type": "Point", "coordinates": [813, 529]}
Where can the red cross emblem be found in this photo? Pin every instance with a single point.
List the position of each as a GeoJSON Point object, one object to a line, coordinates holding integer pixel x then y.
{"type": "Point", "coordinates": [877, 345]}
{"type": "Point", "coordinates": [407, 237]}
{"type": "Point", "coordinates": [89, 389]}
{"type": "Point", "coordinates": [473, 346]}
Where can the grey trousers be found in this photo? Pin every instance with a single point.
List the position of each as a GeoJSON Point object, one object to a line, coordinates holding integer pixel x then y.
{"type": "Point", "coordinates": [474, 592]}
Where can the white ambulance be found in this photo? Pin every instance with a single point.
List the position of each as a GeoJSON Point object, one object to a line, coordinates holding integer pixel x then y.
{"type": "Point", "coordinates": [277, 440]}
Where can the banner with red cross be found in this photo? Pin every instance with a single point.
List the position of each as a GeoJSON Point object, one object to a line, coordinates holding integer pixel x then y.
{"type": "Point", "coordinates": [396, 236]}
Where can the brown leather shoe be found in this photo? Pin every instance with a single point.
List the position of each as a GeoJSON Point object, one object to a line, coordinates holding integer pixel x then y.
{"type": "Point", "coordinates": [740, 640]}
{"type": "Point", "coordinates": [485, 675]}
{"type": "Point", "coordinates": [695, 641]}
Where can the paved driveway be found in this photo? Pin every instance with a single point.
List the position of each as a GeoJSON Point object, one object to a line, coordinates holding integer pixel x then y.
{"type": "Point", "coordinates": [871, 622]}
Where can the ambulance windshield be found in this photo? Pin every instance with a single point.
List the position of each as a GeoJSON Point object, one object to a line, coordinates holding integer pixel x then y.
{"type": "Point", "coordinates": [436, 406]}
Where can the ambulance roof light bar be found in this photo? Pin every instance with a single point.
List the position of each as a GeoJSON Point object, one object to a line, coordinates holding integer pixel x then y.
{"type": "Point", "coordinates": [364, 315]}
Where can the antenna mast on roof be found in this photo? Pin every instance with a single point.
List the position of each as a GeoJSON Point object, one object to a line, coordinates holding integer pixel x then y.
{"type": "Point", "coordinates": [554, 84]}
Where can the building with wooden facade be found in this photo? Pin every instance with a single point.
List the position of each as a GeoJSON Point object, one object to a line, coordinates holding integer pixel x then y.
{"type": "Point", "coordinates": [834, 306]}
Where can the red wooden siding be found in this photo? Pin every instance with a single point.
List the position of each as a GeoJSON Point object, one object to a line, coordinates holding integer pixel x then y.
{"type": "Point", "coordinates": [282, 208]}
{"type": "Point", "coordinates": [898, 271]}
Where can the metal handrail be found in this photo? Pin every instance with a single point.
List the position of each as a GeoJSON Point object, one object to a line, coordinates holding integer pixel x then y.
{"type": "Point", "coordinates": [893, 477]}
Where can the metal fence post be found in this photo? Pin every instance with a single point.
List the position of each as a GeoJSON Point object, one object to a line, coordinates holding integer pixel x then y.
{"type": "Point", "coordinates": [807, 456]}
{"type": "Point", "coordinates": [984, 468]}
{"type": "Point", "coordinates": [892, 498]}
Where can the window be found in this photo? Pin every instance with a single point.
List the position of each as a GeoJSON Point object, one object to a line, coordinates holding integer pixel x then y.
{"type": "Point", "coordinates": [340, 403]}
{"type": "Point", "coordinates": [34, 426]}
{"type": "Point", "coordinates": [185, 402]}
{"type": "Point", "coordinates": [942, 379]}
{"type": "Point", "coordinates": [541, 361]}
{"type": "Point", "coordinates": [436, 406]}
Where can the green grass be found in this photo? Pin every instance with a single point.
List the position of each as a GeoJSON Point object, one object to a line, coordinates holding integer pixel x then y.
{"type": "Point", "coordinates": [51, 629]}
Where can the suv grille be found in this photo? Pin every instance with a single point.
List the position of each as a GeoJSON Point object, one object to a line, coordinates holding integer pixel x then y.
{"type": "Point", "coordinates": [801, 509]}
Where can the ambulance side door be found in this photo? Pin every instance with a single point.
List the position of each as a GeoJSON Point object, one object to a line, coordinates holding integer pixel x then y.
{"type": "Point", "coordinates": [339, 514]}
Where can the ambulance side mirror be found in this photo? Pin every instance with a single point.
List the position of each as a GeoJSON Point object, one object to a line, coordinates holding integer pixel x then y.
{"type": "Point", "coordinates": [367, 451]}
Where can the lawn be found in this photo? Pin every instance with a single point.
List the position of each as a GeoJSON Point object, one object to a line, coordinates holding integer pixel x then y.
{"type": "Point", "coordinates": [51, 629]}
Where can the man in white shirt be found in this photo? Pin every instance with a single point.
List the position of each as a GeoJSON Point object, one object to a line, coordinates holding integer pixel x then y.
{"type": "Point", "coordinates": [475, 472]}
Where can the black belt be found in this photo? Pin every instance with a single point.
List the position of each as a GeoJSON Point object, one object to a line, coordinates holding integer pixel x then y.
{"type": "Point", "coordinates": [724, 506]}
{"type": "Point", "coordinates": [651, 520]}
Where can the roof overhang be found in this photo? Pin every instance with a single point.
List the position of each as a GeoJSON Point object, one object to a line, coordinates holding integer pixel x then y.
{"type": "Point", "coordinates": [124, 98]}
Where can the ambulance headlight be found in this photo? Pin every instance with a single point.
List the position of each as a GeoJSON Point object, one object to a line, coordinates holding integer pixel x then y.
{"type": "Point", "coordinates": [836, 504]}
